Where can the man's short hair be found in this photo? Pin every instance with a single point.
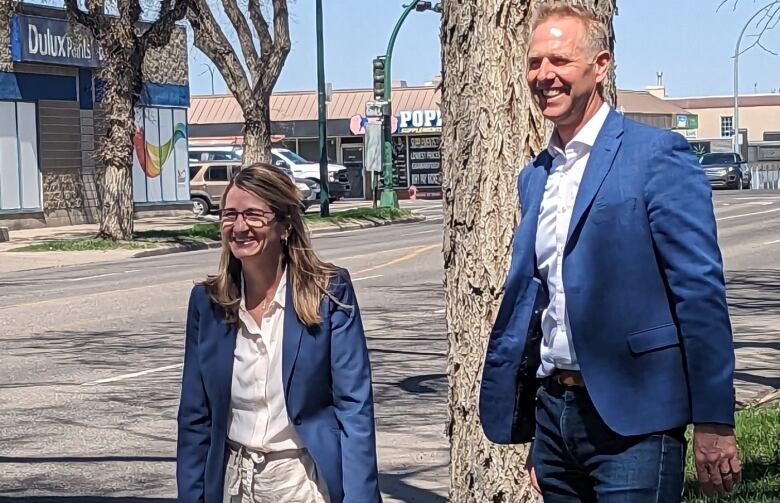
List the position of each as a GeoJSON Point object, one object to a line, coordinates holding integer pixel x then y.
{"type": "Point", "coordinates": [596, 31]}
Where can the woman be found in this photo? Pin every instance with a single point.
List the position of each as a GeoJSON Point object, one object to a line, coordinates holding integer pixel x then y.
{"type": "Point", "coordinates": [276, 401]}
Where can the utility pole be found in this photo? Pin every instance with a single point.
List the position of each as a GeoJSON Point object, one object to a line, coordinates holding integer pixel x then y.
{"type": "Point", "coordinates": [389, 198]}
{"type": "Point", "coordinates": [322, 118]}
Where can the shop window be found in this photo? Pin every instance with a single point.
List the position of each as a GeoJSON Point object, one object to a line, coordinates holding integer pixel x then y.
{"type": "Point", "coordinates": [726, 127]}
{"type": "Point", "coordinates": [310, 150]}
{"type": "Point", "coordinates": [20, 186]}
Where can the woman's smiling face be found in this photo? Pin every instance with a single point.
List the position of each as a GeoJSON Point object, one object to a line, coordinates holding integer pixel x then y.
{"type": "Point", "coordinates": [250, 227]}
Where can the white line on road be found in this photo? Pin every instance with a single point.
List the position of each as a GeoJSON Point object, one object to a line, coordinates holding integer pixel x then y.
{"type": "Point", "coordinates": [748, 214]}
{"type": "Point", "coordinates": [368, 277]}
{"type": "Point", "coordinates": [424, 232]}
{"type": "Point", "coordinates": [93, 277]}
{"type": "Point", "coordinates": [761, 203]}
{"type": "Point", "coordinates": [440, 311]}
{"type": "Point", "coordinates": [134, 374]}
{"type": "Point", "coordinates": [772, 242]}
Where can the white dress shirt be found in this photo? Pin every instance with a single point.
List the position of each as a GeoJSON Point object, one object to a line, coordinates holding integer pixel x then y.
{"type": "Point", "coordinates": [560, 192]}
{"type": "Point", "coordinates": [258, 410]}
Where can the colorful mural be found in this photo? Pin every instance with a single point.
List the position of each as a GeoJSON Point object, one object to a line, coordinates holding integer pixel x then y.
{"type": "Point", "coordinates": [152, 157]}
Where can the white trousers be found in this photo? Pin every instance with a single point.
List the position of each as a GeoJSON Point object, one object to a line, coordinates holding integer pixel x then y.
{"type": "Point", "coordinates": [276, 477]}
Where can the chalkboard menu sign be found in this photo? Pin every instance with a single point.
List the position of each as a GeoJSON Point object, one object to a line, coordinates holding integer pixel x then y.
{"type": "Point", "coordinates": [424, 161]}
{"type": "Point", "coordinates": [400, 158]}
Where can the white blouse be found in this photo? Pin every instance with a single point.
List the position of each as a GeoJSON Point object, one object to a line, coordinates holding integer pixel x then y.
{"type": "Point", "coordinates": [258, 410]}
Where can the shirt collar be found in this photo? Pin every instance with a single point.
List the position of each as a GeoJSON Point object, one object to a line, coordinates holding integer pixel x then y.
{"type": "Point", "coordinates": [586, 136]}
{"type": "Point", "coordinates": [280, 297]}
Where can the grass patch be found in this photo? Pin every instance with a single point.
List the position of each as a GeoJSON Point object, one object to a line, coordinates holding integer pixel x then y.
{"type": "Point", "coordinates": [81, 244]}
{"type": "Point", "coordinates": [198, 232]}
{"type": "Point", "coordinates": [204, 232]}
{"type": "Point", "coordinates": [362, 214]}
{"type": "Point", "coordinates": [758, 434]}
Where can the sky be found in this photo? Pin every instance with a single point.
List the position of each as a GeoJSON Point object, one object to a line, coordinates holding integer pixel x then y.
{"type": "Point", "coordinates": [687, 40]}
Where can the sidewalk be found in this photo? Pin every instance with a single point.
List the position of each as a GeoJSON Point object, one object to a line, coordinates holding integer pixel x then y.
{"type": "Point", "coordinates": [22, 261]}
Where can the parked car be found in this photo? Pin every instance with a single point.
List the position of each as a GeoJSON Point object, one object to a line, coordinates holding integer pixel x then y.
{"type": "Point", "coordinates": [208, 181]}
{"type": "Point", "coordinates": [726, 169]}
{"type": "Point", "coordinates": [338, 181]}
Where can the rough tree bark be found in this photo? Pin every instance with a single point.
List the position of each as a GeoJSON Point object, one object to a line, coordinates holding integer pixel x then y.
{"type": "Point", "coordinates": [123, 43]}
{"type": "Point", "coordinates": [491, 129]}
{"type": "Point", "coordinates": [252, 90]}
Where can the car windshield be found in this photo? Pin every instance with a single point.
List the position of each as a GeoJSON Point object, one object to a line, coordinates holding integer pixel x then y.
{"type": "Point", "coordinates": [717, 159]}
{"type": "Point", "coordinates": [292, 156]}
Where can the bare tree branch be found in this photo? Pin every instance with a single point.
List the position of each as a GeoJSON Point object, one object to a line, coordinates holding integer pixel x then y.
{"type": "Point", "coordinates": [766, 21]}
{"type": "Point", "coordinates": [159, 34]}
{"type": "Point", "coordinates": [211, 40]}
{"type": "Point", "coordinates": [262, 29]}
{"type": "Point", "coordinates": [94, 19]}
{"type": "Point", "coordinates": [281, 46]}
{"type": "Point", "coordinates": [767, 50]}
{"type": "Point", "coordinates": [245, 38]}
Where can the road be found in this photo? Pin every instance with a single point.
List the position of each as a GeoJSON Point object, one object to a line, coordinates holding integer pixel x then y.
{"type": "Point", "coordinates": [91, 357]}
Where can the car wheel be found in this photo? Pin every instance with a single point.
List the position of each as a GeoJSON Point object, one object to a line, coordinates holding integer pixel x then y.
{"type": "Point", "coordinates": [200, 207]}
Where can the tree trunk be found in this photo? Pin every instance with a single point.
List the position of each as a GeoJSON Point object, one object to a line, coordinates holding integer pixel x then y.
{"type": "Point", "coordinates": [116, 150]}
{"type": "Point", "coordinates": [491, 129]}
{"type": "Point", "coordinates": [257, 142]}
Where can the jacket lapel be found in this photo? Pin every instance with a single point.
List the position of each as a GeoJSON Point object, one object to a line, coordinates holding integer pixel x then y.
{"type": "Point", "coordinates": [599, 164]}
{"type": "Point", "coordinates": [293, 332]}
{"type": "Point", "coordinates": [224, 355]}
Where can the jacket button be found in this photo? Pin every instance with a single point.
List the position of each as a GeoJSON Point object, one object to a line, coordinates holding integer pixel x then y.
{"type": "Point", "coordinates": [297, 421]}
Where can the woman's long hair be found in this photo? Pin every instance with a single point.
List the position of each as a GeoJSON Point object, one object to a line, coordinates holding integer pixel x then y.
{"type": "Point", "coordinates": [309, 275]}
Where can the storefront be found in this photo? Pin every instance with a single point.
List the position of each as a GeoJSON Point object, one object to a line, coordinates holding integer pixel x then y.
{"type": "Point", "coordinates": [416, 127]}
{"type": "Point", "coordinates": [50, 103]}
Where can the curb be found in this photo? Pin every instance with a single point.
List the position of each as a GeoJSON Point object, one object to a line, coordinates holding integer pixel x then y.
{"type": "Point", "coordinates": [168, 249]}
{"type": "Point", "coordinates": [365, 224]}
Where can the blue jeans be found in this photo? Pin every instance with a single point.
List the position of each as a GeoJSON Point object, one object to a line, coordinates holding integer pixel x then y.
{"type": "Point", "coordinates": [578, 458]}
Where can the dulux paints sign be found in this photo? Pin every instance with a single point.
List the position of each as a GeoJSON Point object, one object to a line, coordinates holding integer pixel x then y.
{"type": "Point", "coordinates": [47, 40]}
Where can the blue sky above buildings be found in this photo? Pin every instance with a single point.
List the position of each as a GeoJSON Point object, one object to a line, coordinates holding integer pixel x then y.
{"type": "Point", "coordinates": [687, 40]}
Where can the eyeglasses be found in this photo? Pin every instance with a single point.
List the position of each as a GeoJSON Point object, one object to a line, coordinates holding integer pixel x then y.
{"type": "Point", "coordinates": [253, 217]}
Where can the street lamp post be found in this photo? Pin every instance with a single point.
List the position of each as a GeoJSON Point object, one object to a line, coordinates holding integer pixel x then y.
{"type": "Point", "coordinates": [735, 139]}
{"type": "Point", "coordinates": [389, 198]}
{"type": "Point", "coordinates": [322, 118]}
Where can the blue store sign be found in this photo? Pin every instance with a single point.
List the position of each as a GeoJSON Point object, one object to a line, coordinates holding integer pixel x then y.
{"type": "Point", "coordinates": [37, 39]}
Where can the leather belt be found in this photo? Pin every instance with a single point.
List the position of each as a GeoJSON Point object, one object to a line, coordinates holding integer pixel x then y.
{"type": "Point", "coordinates": [569, 378]}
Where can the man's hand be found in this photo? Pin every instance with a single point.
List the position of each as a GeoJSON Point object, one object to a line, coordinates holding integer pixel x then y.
{"type": "Point", "coordinates": [716, 457]}
{"type": "Point", "coordinates": [529, 467]}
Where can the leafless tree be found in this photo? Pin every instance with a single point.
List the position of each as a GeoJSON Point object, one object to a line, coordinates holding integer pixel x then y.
{"type": "Point", "coordinates": [123, 41]}
{"type": "Point", "coordinates": [491, 129]}
{"type": "Point", "coordinates": [263, 53]}
{"type": "Point", "coordinates": [767, 19]}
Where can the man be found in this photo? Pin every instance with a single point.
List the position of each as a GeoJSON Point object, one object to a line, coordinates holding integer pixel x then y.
{"type": "Point", "coordinates": [614, 311]}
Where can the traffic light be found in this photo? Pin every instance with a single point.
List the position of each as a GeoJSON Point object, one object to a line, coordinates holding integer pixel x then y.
{"type": "Point", "coordinates": [379, 79]}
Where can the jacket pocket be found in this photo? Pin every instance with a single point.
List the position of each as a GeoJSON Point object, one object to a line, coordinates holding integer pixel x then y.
{"type": "Point", "coordinates": [609, 211]}
{"type": "Point", "coordinates": [653, 338]}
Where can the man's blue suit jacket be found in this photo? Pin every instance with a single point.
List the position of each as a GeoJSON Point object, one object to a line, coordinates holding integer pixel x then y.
{"type": "Point", "coordinates": [644, 285]}
{"type": "Point", "coordinates": [327, 381]}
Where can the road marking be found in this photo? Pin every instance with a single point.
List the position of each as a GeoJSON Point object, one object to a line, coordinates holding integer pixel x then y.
{"type": "Point", "coordinates": [398, 260]}
{"type": "Point", "coordinates": [93, 294]}
{"type": "Point", "coordinates": [761, 203]}
{"type": "Point", "coordinates": [424, 232]}
{"type": "Point", "coordinates": [368, 277]}
{"type": "Point", "coordinates": [352, 257]}
{"type": "Point", "coordinates": [748, 214]}
{"type": "Point", "coordinates": [772, 242]}
{"type": "Point", "coordinates": [440, 311]}
{"type": "Point", "coordinates": [93, 277]}
{"type": "Point", "coordinates": [134, 374]}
